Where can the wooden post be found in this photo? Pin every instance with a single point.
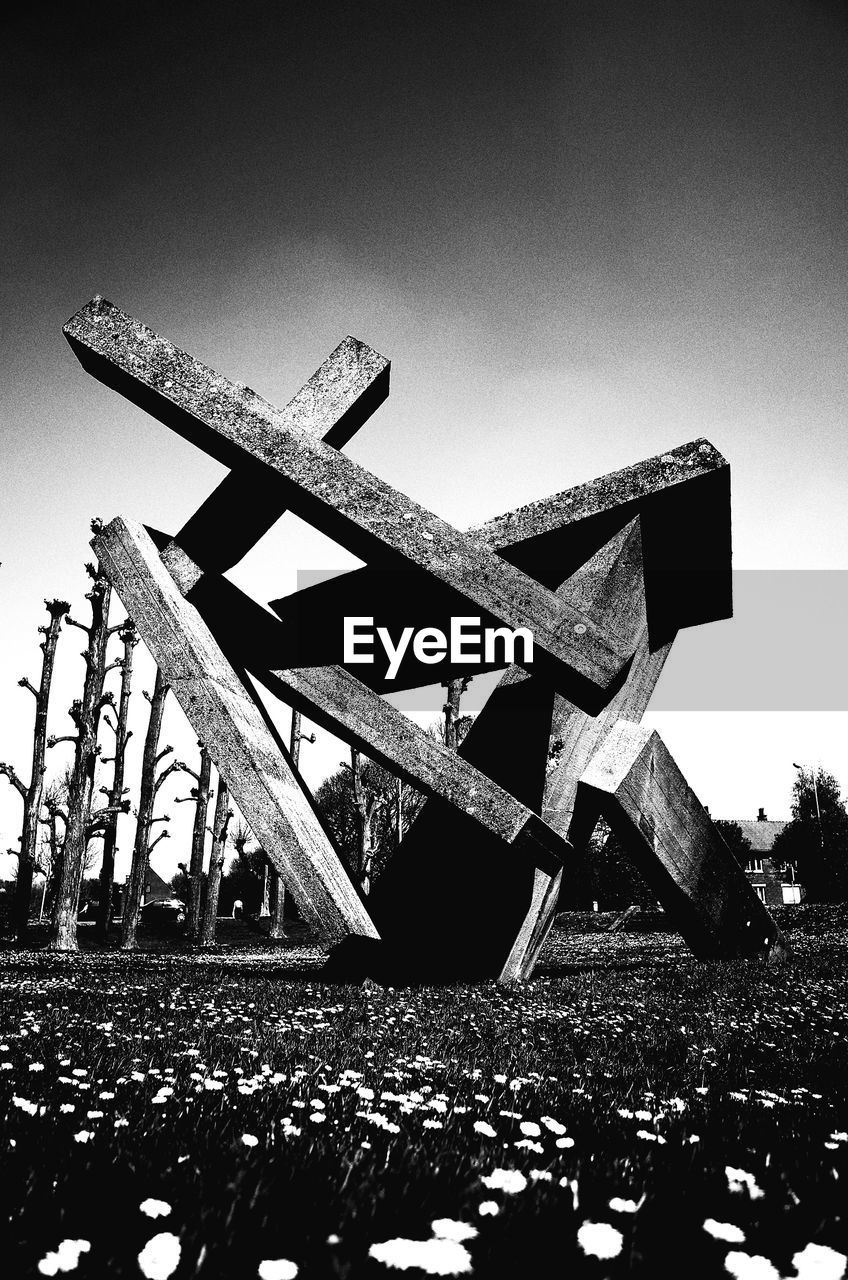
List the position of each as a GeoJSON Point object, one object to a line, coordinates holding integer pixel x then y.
{"type": "Point", "coordinates": [633, 781]}
{"type": "Point", "coordinates": [200, 797]}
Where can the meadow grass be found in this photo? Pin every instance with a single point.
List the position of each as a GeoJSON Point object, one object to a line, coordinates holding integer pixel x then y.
{"type": "Point", "coordinates": [630, 1111]}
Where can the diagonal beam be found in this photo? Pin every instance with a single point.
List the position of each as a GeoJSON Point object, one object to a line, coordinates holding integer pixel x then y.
{"type": "Point", "coordinates": [633, 781]}
{"type": "Point", "coordinates": [682, 499]}
{"type": "Point", "coordinates": [339, 397]}
{"type": "Point", "coordinates": [223, 715]}
{"type": "Point", "coordinates": [340, 497]}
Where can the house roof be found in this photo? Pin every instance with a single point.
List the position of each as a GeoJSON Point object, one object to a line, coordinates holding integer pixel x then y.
{"type": "Point", "coordinates": [760, 833]}
{"type": "Point", "coordinates": [155, 888]}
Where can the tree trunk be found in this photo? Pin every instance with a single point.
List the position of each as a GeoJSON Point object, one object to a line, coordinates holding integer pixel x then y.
{"type": "Point", "coordinates": [365, 806]}
{"type": "Point", "coordinates": [198, 845]}
{"type": "Point", "coordinates": [32, 794]}
{"type": "Point", "coordinates": [129, 637]}
{"type": "Point", "coordinates": [86, 715]}
{"type": "Point", "coordinates": [134, 890]}
{"type": "Point", "coordinates": [456, 688]}
{"type": "Point", "coordinates": [223, 814]}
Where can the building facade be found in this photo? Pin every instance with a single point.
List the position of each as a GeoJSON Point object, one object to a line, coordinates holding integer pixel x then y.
{"type": "Point", "coordinates": [775, 883]}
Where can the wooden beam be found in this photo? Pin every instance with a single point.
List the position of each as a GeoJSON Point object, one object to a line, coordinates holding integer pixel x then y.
{"type": "Point", "coordinates": [341, 498]}
{"type": "Point", "coordinates": [633, 781]}
{"type": "Point", "coordinates": [225, 717]}
{"type": "Point", "coordinates": [682, 499]}
{"type": "Point", "coordinates": [339, 397]}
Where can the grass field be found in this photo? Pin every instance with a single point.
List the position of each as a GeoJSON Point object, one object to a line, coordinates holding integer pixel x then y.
{"type": "Point", "coordinates": [630, 1111]}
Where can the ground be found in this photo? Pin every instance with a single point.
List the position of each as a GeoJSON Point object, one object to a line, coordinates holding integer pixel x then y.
{"type": "Point", "coordinates": [630, 1111]}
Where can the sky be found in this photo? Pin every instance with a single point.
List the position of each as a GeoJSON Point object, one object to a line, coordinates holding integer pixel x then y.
{"type": "Point", "coordinates": [583, 233]}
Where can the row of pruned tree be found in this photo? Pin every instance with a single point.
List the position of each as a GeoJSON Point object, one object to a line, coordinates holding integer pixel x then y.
{"type": "Point", "coordinates": [366, 808]}
{"type": "Point", "coordinates": [62, 821]}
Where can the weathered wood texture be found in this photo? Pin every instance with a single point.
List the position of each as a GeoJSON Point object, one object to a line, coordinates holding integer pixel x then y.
{"type": "Point", "coordinates": [339, 397]}
{"type": "Point", "coordinates": [682, 499]}
{"type": "Point", "coordinates": [634, 782]}
{"type": "Point", "coordinates": [340, 497]}
{"type": "Point", "coordinates": [225, 717]}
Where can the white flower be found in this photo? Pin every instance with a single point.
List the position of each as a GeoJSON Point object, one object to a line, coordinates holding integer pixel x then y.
{"type": "Point", "coordinates": [65, 1258]}
{"type": "Point", "coordinates": [724, 1231]}
{"type": "Point", "coordinates": [508, 1180]}
{"type": "Point", "coordinates": [84, 1135]}
{"type": "Point", "coordinates": [155, 1208]}
{"type": "Point", "coordinates": [623, 1206]}
{"type": "Point", "coordinates": [160, 1257]}
{"type": "Point", "coordinates": [249, 1140]}
{"type": "Point", "coordinates": [435, 1257]}
{"type": "Point", "coordinates": [553, 1125]}
{"type": "Point", "coordinates": [277, 1269]}
{"type": "Point", "coordinates": [487, 1131]}
{"type": "Point", "coordinates": [25, 1105]}
{"type": "Point", "coordinates": [529, 1129]}
{"type": "Point", "coordinates": [37, 1066]}
{"type": "Point", "coordinates": [450, 1229]}
{"type": "Point", "coordinates": [746, 1266]}
{"type": "Point", "coordinates": [738, 1178]}
{"type": "Point", "coordinates": [488, 1209]}
{"type": "Point", "coordinates": [67, 1107]}
{"type": "Point", "coordinates": [565, 1142]}
{"type": "Point", "coordinates": [600, 1240]}
{"type": "Point", "coordinates": [317, 1117]}
{"type": "Point", "coordinates": [818, 1262]}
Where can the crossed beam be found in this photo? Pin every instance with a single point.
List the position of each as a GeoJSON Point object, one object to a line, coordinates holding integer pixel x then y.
{"type": "Point", "coordinates": [566, 566]}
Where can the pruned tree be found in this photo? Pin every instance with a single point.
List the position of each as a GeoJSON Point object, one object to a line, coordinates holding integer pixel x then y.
{"type": "Point", "coordinates": [367, 802]}
{"type": "Point", "coordinates": [223, 817]}
{"type": "Point", "coordinates": [52, 849]}
{"type": "Point", "coordinates": [32, 794]}
{"type": "Point", "coordinates": [200, 795]}
{"type": "Point", "coordinates": [116, 792]}
{"type": "Point", "coordinates": [152, 780]}
{"type": "Point", "coordinates": [453, 732]}
{"type": "Point", "coordinates": [85, 714]}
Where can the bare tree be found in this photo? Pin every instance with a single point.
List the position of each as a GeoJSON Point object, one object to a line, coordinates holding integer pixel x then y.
{"type": "Point", "coordinates": [50, 863]}
{"type": "Point", "coordinates": [115, 793]}
{"type": "Point", "coordinates": [152, 779]}
{"type": "Point", "coordinates": [85, 714]}
{"type": "Point", "coordinates": [223, 817]}
{"type": "Point", "coordinates": [200, 795]}
{"type": "Point", "coordinates": [274, 889]}
{"type": "Point", "coordinates": [456, 688]}
{"type": "Point", "coordinates": [32, 795]}
{"type": "Point", "coordinates": [367, 804]}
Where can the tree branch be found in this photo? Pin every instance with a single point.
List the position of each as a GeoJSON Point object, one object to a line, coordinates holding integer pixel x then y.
{"type": "Point", "coordinates": [53, 741]}
{"type": "Point", "coordinates": [25, 684]}
{"type": "Point", "coordinates": [14, 779]}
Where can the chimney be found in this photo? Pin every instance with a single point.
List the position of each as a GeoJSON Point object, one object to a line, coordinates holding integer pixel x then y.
{"type": "Point", "coordinates": [761, 816]}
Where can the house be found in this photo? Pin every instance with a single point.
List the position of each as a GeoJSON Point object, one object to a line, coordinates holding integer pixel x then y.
{"type": "Point", "coordinates": [155, 888]}
{"type": "Point", "coordinates": [775, 882]}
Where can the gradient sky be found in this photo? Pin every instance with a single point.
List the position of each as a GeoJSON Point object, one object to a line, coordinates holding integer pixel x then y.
{"type": "Point", "coordinates": [583, 233]}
